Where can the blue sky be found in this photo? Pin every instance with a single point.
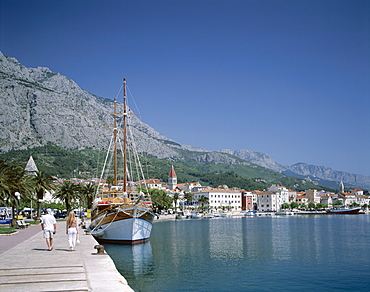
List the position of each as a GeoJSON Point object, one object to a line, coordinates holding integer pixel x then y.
{"type": "Point", "coordinates": [285, 77]}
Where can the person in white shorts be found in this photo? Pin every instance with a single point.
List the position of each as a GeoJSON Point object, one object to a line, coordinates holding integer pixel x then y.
{"type": "Point", "coordinates": [49, 226]}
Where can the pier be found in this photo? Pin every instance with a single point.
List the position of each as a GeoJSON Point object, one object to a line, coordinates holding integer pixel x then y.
{"type": "Point", "coordinates": [27, 265]}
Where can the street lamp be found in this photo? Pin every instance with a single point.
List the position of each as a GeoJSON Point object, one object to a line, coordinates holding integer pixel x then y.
{"type": "Point", "coordinates": [18, 195]}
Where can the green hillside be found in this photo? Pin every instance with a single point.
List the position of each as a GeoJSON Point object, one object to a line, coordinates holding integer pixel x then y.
{"type": "Point", "coordinates": [87, 163]}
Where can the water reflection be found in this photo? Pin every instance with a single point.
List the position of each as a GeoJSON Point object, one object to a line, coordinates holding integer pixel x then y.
{"type": "Point", "coordinates": [225, 240]}
{"type": "Point", "coordinates": [132, 259]}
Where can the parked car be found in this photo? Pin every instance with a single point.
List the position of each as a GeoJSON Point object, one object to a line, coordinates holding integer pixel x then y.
{"type": "Point", "coordinates": [60, 215]}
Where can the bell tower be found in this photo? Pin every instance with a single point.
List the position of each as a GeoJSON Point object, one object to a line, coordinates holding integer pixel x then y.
{"type": "Point", "coordinates": [172, 179]}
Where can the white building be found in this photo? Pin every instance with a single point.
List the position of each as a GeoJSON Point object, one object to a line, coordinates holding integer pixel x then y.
{"type": "Point", "coordinates": [221, 198]}
{"type": "Point", "coordinates": [271, 201]}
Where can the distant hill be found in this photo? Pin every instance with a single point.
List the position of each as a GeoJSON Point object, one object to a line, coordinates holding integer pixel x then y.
{"type": "Point", "coordinates": [40, 107]}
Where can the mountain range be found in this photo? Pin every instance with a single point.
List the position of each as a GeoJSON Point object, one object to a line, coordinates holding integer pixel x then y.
{"type": "Point", "coordinates": [40, 106]}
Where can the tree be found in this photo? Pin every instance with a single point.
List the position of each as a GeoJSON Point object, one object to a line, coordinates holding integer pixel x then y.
{"type": "Point", "coordinates": [303, 206]}
{"type": "Point", "coordinates": [337, 203]}
{"type": "Point", "coordinates": [13, 179]}
{"type": "Point", "coordinates": [160, 200]}
{"type": "Point", "coordinates": [68, 193]}
{"type": "Point", "coordinates": [294, 205]}
{"type": "Point", "coordinates": [87, 193]}
{"type": "Point", "coordinates": [285, 206]}
{"type": "Point", "coordinates": [41, 183]}
{"type": "Point", "coordinates": [110, 181]}
{"type": "Point", "coordinates": [311, 205]}
{"type": "Point", "coordinates": [189, 198]}
{"type": "Point", "coordinates": [203, 200]}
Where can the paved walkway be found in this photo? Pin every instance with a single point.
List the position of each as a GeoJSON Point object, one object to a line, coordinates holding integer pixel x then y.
{"type": "Point", "coordinates": [26, 265]}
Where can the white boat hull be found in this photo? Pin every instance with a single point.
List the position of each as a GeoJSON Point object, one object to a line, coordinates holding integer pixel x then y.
{"type": "Point", "coordinates": [128, 230]}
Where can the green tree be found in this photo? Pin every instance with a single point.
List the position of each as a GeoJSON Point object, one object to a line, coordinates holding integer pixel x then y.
{"type": "Point", "coordinates": [294, 205]}
{"type": "Point", "coordinates": [303, 206]}
{"type": "Point", "coordinates": [189, 197]}
{"type": "Point", "coordinates": [42, 183]}
{"type": "Point", "coordinates": [337, 203]}
{"type": "Point", "coordinates": [160, 200]}
{"type": "Point", "coordinates": [13, 180]}
{"type": "Point", "coordinates": [68, 193]}
{"type": "Point", "coordinates": [203, 200]}
{"type": "Point", "coordinates": [285, 206]}
{"type": "Point", "coordinates": [110, 181]}
{"type": "Point", "coordinates": [87, 193]}
{"type": "Point", "coordinates": [311, 205]}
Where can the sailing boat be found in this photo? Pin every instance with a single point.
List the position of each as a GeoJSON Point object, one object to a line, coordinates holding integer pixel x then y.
{"type": "Point", "coordinates": [120, 213]}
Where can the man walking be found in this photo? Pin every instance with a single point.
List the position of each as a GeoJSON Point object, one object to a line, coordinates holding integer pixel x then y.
{"type": "Point", "coordinates": [49, 226]}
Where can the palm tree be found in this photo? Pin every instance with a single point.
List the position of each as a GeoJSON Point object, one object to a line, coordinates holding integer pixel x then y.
{"type": "Point", "coordinates": [189, 198]}
{"type": "Point", "coordinates": [13, 179]}
{"type": "Point", "coordinates": [203, 200]}
{"type": "Point", "coordinates": [67, 192]}
{"type": "Point", "coordinates": [42, 183]}
{"type": "Point", "coordinates": [110, 181]}
{"type": "Point", "coordinates": [87, 192]}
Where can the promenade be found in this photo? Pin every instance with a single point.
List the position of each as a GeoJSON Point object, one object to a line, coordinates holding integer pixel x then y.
{"type": "Point", "coordinates": [27, 265]}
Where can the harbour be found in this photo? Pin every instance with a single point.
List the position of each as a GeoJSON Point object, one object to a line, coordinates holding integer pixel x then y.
{"type": "Point", "coordinates": [290, 253]}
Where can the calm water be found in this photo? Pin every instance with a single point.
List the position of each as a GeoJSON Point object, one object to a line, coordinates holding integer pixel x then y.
{"type": "Point", "coordinates": [308, 253]}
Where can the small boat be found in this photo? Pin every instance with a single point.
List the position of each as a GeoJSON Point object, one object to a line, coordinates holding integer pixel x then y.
{"type": "Point", "coordinates": [344, 211]}
{"type": "Point", "coordinates": [250, 214]}
{"type": "Point", "coordinates": [195, 215]}
{"type": "Point", "coordinates": [121, 214]}
{"type": "Point", "coordinates": [180, 215]}
{"type": "Point", "coordinates": [208, 216]}
{"type": "Point", "coordinates": [285, 212]}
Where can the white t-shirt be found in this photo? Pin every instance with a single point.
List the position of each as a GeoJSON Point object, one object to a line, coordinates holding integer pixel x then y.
{"type": "Point", "coordinates": [48, 221]}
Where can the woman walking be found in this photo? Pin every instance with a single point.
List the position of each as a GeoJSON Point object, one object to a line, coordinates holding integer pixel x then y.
{"type": "Point", "coordinates": [71, 230]}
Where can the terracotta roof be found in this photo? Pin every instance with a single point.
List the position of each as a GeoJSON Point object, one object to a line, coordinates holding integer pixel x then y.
{"type": "Point", "coordinates": [172, 172]}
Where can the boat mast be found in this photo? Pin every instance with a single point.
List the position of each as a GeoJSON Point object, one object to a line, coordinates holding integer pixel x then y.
{"type": "Point", "coordinates": [115, 180]}
{"type": "Point", "coordinates": [124, 137]}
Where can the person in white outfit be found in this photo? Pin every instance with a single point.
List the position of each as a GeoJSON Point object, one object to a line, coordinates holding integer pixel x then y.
{"type": "Point", "coordinates": [71, 230]}
{"type": "Point", "coordinates": [49, 227]}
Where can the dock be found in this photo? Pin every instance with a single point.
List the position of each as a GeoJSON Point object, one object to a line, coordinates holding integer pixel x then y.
{"type": "Point", "coordinates": [27, 265]}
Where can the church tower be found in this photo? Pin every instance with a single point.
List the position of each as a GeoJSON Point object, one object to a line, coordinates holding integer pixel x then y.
{"type": "Point", "coordinates": [172, 179]}
{"type": "Point", "coordinates": [31, 167]}
{"type": "Point", "coordinates": [341, 187]}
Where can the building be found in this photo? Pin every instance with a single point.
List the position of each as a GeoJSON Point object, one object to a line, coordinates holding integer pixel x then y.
{"type": "Point", "coordinates": [357, 192]}
{"type": "Point", "coordinates": [302, 200]}
{"type": "Point", "coordinates": [220, 199]}
{"type": "Point", "coordinates": [249, 201]}
{"type": "Point", "coordinates": [271, 201]}
{"type": "Point", "coordinates": [347, 198]}
{"type": "Point", "coordinates": [172, 179]}
{"type": "Point", "coordinates": [152, 184]}
{"type": "Point", "coordinates": [31, 167]}
{"type": "Point", "coordinates": [313, 196]}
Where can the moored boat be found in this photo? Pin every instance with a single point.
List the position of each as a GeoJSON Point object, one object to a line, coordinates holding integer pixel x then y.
{"type": "Point", "coordinates": [344, 211]}
{"type": "Point", "coordinates": [121, 214]}
{"type": "Point", "coordinates": [285, 212]}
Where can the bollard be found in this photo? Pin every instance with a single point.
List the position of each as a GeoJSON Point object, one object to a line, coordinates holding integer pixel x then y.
{"type": "Point", "coordinates": [100, 249]}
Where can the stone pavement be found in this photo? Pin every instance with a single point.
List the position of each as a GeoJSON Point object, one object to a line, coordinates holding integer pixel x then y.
{"type": "Point", "coordinates": [27, 265]}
